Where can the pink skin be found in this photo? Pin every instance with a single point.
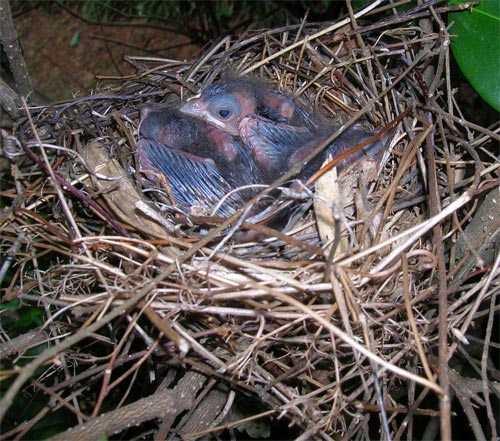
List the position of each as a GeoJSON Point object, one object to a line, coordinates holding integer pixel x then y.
{"type": "Point", "coordinates": [223, 143]}
{"type": "Point", "coordinates": [250, 137]}
{"type": "Point", "coordinates": [280, 105]}
{"type": "Point", "coordinates": [199, 108]}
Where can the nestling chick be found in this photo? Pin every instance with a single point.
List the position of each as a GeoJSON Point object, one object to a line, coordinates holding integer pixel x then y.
{"type": "Point", "coordinates": [201, 164]}
{"type": "Point", "coordinates": [225, 104]}
{"type": "Point", "coordinates": [278, 131]}
{"type": "Point", "coordinates": [277, 147]}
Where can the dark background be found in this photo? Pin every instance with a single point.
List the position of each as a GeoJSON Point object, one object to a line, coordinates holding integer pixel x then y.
{"type": "Point", "coordinates": [67, 44]}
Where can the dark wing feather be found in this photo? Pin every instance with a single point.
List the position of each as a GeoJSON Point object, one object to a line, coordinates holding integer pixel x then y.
{"type": "Point", "coordinates": [353, 136]}
{"type": "Point", "coordinates": [273, 143]}
{"type": "Point", "coordinates": [192, 180]}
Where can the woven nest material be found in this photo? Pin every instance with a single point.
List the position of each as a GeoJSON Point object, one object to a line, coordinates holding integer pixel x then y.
{"type": "Point", "coordinates": [331, 329]}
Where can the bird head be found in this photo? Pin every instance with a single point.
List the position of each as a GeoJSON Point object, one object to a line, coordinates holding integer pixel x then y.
{"type": "Point", "coordinates": [223, 105]}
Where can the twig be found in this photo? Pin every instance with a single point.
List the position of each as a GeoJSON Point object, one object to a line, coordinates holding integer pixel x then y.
{"type": "Point", "coordinates": [10, 42]}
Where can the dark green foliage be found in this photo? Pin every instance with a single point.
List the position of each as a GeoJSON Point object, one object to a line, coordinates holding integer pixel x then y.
{"type": "Point", "coordinates": [203, 21]}
{"type": "Point", "coordinates": [19, 319]}
{"type": "Point", "coordinates": [27, 405]}
{"type": "Point", "coordinates": [476, 46]}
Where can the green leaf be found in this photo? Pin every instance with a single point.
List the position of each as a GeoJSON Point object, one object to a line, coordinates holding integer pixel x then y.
{"type": "Point", "coordinates": [30, 317]}
{"type": "Point", "coordinates": [13, 305]}
{"type": "Point", "coordinates": [76, 39]}
{"type": "Point", "coordinates": [475, 42]}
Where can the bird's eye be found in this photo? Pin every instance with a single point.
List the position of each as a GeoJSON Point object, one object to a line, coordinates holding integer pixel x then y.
{"type": "Point", "coordinates": [225, 107]}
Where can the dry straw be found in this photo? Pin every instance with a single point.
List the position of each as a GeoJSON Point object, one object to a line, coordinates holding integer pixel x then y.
{"type": "Point", "coordinates": [344, 325]}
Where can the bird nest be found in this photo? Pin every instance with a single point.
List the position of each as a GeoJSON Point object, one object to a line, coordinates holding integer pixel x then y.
{"type": "Point", "coordinates": [362, 320]}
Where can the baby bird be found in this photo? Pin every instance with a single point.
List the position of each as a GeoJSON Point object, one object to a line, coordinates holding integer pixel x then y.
{"type": "Point", "coordinates": [278, 131]}
{"type": "Point", "coordinates": [201, 163]}
{"type": "Point", "coordinates": [277, 147]}
{"type": "Point", "coordinates": [225, 104]}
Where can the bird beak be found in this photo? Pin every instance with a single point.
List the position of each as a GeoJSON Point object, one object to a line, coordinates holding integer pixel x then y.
{"type": "Point", "coordinates": [197, 108]}
{"type": "Point", "coordinates": [194, 107]}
